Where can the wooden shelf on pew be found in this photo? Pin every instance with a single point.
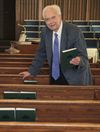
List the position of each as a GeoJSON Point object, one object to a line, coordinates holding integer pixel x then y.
{"type": "Point", "coordinates": [48, 127]}
{"type": "Point", "coordinates": [27, 49]}
{"type": "Point", "coordinates": [16, 79]}
{"type": "Point", "coordinates": [16, 55]}
{"type": "Point", "coordinates": [83, 111]}
{"type": "Point", "coordinates": [55, 92]}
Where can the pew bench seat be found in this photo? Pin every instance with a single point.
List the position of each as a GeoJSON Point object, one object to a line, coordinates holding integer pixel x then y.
{"type": "Point", "coordinates": [48, 127]}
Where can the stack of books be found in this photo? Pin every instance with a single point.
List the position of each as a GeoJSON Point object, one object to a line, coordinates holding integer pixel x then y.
{"type": "Point", "coordinates": [17, 114]}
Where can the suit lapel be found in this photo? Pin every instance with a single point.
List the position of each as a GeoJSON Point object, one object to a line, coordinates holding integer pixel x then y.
{"type": "Point", "coordinates": [49, 46]}
{"type": "Point", "coordinates": [63, 45]}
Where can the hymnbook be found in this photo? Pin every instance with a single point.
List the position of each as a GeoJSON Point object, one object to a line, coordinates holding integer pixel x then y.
{"type": "Point", "coordinates": [66, 57]}
{"type": "Point", "coordinates": [17, 114]}
{"type": "Point", "coordinates": [25, 114]}
{"type": "Point", "coordinates": [19, 95]}
{"type": "Point", "coordinates": [30, 81]}
{"type": "Point", "coordinates": [7, 114]}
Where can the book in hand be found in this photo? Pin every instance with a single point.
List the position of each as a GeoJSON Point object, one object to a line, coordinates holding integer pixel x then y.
{"type": "Point", "coordinates": [7, 114]}
{"type": "Point", "coordinates": [19, 95]}
{"type": "Point", "coordinates": [66, 57]}
{"type": "Point", "coordinates": [25, 114]}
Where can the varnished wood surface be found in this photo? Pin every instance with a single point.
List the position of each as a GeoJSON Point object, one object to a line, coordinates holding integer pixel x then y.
{"type": "Point", "coordinates": [54, 92]}
{"type": "Point", "coordinates": [95, 71]}
{"type": "Point", "coordinates": [19, 55]}
{"type": "Point", "coordinates": [17, 70]}
{"type": "Point", "coordinates": [16, 67]}
{"type": "Point", "coordinates": [60, 110]}
{"type": "Point", "coordinates": [17, 79]}
{"type": "Point", "coordinates": [42, 79]}
{"type": "Point", "coordinates": [96, 79]}
{"type": "Point", "coordinates": [48, 127]}
{"type": "Point", "coordinates": [27, 49]}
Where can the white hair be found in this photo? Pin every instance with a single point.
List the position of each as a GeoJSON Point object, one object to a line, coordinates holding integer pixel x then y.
{"type": "Point", "coordinates": [54, 7]}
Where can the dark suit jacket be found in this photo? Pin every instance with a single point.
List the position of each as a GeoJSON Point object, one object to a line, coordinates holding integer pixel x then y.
{"type": "Point", "coordinates": [71, 37]}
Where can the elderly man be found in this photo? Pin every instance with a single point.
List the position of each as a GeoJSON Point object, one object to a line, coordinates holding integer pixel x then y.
{"type": "Point", "coordinates": [56, 37]}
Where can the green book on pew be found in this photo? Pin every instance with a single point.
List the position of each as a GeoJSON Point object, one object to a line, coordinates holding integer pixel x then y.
{"type": "Point", "coordinates": [19, 95]}
{"type": "Point", "coordinates": [27, 95]}
{"type": "Point", "coordinates": [25, 114]}
{"type": "Point", "coordinates": [30, 81]}
{"type": "Point", "coordinates": [7, 114]}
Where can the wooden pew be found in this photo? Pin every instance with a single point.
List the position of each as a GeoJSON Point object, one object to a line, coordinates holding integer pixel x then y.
{"type": "Point", "coordinates": [27, 49]}
{"type": "Point", "coordinates": [97, 93]}
{"type": "Point", "coordinates": [42, 79]}
{"type": "Point", "coordinates": [95, 71]}
{"type": "Point", "coordinates": [48, 127]}
{"type": "Point", "coordinates": [83, 111]}
{"type": "Point", "coordinates": [28, 58]}
{"type": "Point", "coordinates": [4, 57]}
{"type": "Point", "coordinates": [96, 79]}
{"type": "Point", "coordinates": [16, 59]}
{"type": "Point", "coordinates": [23, 48]}
{"type": "Point", "coordinates": [17, 70]}
{"type": "Point", "coordinates": [15, 64]}
{"type": "Point", "coordinates": [3, 54]}
{"type": "Point", "coordinates": [95, 65]}
{"type": "Point", "coordinates": [19, 63]}
{"type": "Point", "coordinates": [31, 55]}
{"type": "Point", "coordinates": [53, 92]}
{"type": "Point", "coordinates": [12, 70]}
{"type": "Point", "coordinates": [16, 79]}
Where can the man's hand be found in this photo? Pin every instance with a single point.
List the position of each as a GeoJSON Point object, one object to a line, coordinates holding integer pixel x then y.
{"type": "Point", "coordinates": [24, 74]}
{"type": "Point", "coordinates": [75, 61]}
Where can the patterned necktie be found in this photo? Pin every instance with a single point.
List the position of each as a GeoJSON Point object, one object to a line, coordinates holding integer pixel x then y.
{"type": "Point", "coordinates": [55, 59]}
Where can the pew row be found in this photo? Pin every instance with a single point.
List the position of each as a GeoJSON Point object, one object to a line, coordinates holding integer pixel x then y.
{"type": "Point", "coordinates": [25, 61]}
{"type": "Point", "coordinates": [15, 64]}
{"type": "Point", "coordinates": [18, 63]}
{"type": "Point", "coordinates": [4, 58]}
{"type": "Point", "coordinates": [85, 111]}
{"type": "Point", "coordinates": [48, 127]}
{"type": "Point", "coordinates": [27, 49]}
{"type": "Point", "coordinates": [95, 71]}
{"type": "Point", "coordinates": [4, 55]}
{"type": "Point", "coordinates": [16, 59]}
{"type": "Point", "coordinates": [17, 70]}
{"type": "Point", "coordinates": [54, 92]}
{"type": "Point", "coordinates": [97, 93]}
{"type": "Point", "coordinates": [95, 65]}
{"type": "Point", "coordinates": [42, 79]}
{"type": "Point", "coordinates": [96, 79]}
{"type": "Point", "coordinates": [17, 79]}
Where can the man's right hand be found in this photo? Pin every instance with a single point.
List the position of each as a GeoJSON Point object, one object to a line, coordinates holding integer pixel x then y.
{"type": "Point", "coordinates": [24, 74]}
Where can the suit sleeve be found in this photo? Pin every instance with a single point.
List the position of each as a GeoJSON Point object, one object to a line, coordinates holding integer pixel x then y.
{"type": "Point", "coordinates": [38, 61]}
{"type": "Point", "coordinates": [80, 44]}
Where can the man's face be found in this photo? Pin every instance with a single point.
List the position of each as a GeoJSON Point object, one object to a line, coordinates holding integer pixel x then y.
{"type": "Point", "coordinates": [52, 19]}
